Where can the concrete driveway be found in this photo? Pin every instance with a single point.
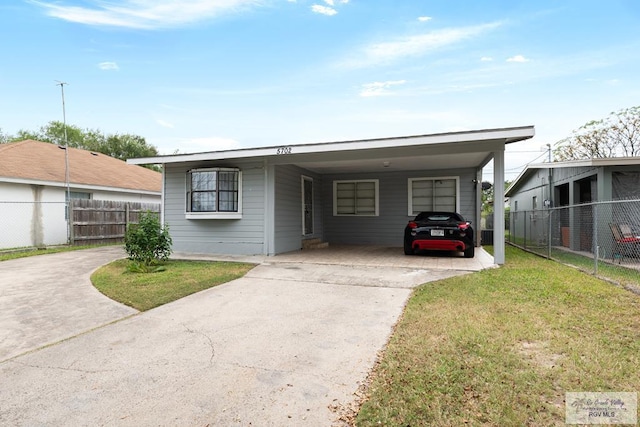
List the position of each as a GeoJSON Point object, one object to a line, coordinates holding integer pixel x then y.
{"type": "Point", "coordinates": [49, 298]}
{"type": "Point", "coordinates": [279, 347]}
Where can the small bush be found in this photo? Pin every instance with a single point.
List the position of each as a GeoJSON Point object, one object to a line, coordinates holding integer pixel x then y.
{"type": "Point", "coordinates": [148, 242]}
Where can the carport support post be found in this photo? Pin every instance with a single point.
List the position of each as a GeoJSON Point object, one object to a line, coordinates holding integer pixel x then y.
{"type": "Point", "coordinates": [498, 207]}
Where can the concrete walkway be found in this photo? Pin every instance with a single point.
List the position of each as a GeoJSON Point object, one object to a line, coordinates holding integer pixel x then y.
{"type": "Point", "coordinates": [278, 347]}
{"type": "Point", "coordinates": [49, 298]}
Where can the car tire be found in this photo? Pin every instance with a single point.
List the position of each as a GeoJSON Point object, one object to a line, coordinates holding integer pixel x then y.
{"type": "Point", "coordinates": [408, 250]}
{"type": "Point", "coordinates": [469, 252]}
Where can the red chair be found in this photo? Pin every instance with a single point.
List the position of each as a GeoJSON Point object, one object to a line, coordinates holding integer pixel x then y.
{"type": "Point", "coordinates": [624, 242]}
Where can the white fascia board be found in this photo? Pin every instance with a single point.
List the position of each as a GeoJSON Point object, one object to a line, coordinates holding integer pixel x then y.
{"type": "Point", "coordinates": [609, 161]}
{"type": "Point", "coordinates": [77, 186]}
{"type": "Point", "coordinates": [508, 135]}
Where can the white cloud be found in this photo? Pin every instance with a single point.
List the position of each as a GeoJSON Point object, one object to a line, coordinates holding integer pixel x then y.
{"type": "Point", "coordinates": [323, 10]}
{"type": "Point", "coordinates": [379, 88]}
{"type": "Point", "coordinates": [329, 2]}
{"type": "Point", "coordinates": [417, 45]}
{"type": "Point", "coordinates": [108, 66]}
{"type": "Point", "coordinates": [143, 14]}
{"type": "Point", "coordinates": [518, 58]}
{"type": "Point", "coordinates": [486, 59]}
{"type": "Point", "coordinates": [164, 124]}
{"type": "Point", "coordinates": [424, 18]}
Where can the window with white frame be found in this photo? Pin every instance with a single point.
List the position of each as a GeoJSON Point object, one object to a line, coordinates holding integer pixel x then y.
{"type": "Point", "coordinates": [214, 192]}
{"type": "Point", "coordinates": [355, 198]}
{"type": "Point", "coordinates": [433, 194]}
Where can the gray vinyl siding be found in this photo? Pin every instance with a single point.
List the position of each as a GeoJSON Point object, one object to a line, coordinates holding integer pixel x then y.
{"type": "Point", "coordinates": [217, 236]}
{"type": "Point", "coordinates": [288, 207]}
{"type": "Point", "coordinates": [533, 186]}
{"type": "Point", "coordinates": [387, 228]}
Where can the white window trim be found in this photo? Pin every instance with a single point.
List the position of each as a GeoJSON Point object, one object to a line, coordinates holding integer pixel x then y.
{"type": "Point", "coordinates": [410, 211]}
{"type": "Point", "coordinates": [217, 215]}
{"type": "Point", "coordinates": [376, 183]}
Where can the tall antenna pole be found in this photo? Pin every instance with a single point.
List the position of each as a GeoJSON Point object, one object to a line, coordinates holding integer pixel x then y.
{"type": "Point", "coordinates": [66, 162]}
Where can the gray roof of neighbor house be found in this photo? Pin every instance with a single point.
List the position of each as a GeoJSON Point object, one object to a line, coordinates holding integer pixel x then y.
{"type": "Point", "coordinates": [35, 161]}
{"type": "Point", "coordinates": [609, 161]}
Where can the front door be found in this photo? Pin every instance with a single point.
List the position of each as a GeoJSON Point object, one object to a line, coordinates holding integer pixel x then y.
{"type": "Point", "coordinates": [307, 206]}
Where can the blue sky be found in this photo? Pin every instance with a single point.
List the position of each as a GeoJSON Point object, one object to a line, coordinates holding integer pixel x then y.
{"type": "Point", "coordinates": [202, 75]}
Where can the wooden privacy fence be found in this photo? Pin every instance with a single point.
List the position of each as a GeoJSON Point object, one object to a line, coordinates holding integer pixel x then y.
{"type": "Point", "coordinates": [104, 221]}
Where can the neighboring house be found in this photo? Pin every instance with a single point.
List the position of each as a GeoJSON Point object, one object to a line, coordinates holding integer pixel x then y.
{"type": "Point", "coordinates": [269, 200]}
{"type": "Point", "coordinates": [578, 182]}
{"type": "Point", "coordinates": [33, 188]}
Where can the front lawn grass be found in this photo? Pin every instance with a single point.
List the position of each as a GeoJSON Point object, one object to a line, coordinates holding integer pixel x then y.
{"type": "Point", "coordinates": [502, 346]}
{"type": "Point", "coordinates": [144, 291]}
{"type": "Point", "coordinates": [7, 255]}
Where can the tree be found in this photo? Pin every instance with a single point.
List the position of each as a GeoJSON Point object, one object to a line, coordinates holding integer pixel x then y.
{"type": "Point", "coordinates": [127, 146]}
{"type": "Point", "coordinates": [487, 195]}
{"type": "Point", "coordinates": [4, 137]}
{"type": "Point", "coordinates": [614, 136]}
{"type": "Point", "coordinates": [119, 146]}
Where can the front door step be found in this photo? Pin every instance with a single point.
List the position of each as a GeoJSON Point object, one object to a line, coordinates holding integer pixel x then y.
{"type": "Point", "coordinates": [314, 243]}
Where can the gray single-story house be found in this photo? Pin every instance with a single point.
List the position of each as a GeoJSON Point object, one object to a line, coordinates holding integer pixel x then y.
{"type": "Point", "coordinates": [268, 200]}
{"type": "Point", "coordinates": [580, 183]}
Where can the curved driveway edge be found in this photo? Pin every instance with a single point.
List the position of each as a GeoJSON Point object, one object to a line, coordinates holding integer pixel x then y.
{"type": "Point", "coordinates": [282, 346]}
{"type": "Point", "coordinates": [48, 298]}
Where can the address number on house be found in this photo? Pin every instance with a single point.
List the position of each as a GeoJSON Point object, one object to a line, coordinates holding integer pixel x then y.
{"type": "Point", "coordinates": [283, 150]}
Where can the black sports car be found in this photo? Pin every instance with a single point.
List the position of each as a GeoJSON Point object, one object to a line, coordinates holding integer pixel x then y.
{"type": "Point", "coordinates": [439, 231]}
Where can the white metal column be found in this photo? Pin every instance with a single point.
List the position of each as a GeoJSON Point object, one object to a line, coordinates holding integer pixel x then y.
{"type": "Point", "coordinates": [498, 207]}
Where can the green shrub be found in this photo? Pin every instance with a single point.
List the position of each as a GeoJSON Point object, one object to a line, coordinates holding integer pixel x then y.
{"type": "Point", "coordinates": [148, 242]}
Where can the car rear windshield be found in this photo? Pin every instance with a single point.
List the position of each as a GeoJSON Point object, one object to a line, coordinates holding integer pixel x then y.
{"type": "Point", "coordinates": [437, 216]}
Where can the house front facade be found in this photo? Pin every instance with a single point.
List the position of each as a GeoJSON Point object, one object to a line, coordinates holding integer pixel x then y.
{"type": "Point", "coordinates": [270, 200]}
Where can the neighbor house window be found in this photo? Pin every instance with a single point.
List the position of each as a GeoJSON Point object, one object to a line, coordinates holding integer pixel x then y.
{"type": "Point", "coordinates": [214, 193]}
{"type": "Point", "coordinates": [355, 198]}
{"type": "Point", "coordinates": [77, 195]}
{"type": "Point", "coordinates": [534, 202]}
{"type": "Point", "coordinates": [433, 194]}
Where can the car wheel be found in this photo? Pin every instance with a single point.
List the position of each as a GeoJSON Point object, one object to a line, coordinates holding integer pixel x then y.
{"type": "Point", "coordinates": [408, 250]}
{"type": "Point", "coordinates": [469, 252]}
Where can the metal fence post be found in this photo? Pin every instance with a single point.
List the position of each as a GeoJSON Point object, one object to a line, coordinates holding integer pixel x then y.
{"type": "Point", "coordinates": [549, 211]}
{"type": "Point", "coordinates": [596, 248]}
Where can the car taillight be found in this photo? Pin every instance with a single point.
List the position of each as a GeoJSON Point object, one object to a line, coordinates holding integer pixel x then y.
{"type": "Point", "coordinates": [463, 225]}
{"type": "Point", "coordinates": [413, 224]}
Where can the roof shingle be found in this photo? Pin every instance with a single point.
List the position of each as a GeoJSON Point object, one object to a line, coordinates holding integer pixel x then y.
{"type": "Point", "coordinates": [43, 161]}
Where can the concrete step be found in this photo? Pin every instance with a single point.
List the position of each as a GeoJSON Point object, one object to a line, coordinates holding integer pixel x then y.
{"type": "Point", "coordinates": [314, 243]}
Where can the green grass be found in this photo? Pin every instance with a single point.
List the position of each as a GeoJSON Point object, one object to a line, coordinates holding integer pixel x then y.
{"type": "Point", "coordinates": [606, 269]}
{"type": "Point", "coordinates": [502, 346]}
{"type": "Point", "coordinates": [144, 291]}
{"type": "Point", "coordinates": [28, 252]}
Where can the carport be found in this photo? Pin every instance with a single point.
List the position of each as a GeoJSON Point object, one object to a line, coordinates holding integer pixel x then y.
{"type": "Point", "coordinates": [273, 200]}
{"type": "Point", "coordinates": [359, 256]}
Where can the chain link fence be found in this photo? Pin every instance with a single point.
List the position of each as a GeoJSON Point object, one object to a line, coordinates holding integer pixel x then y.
{"type": "Point", "coordinates": [600, 238]}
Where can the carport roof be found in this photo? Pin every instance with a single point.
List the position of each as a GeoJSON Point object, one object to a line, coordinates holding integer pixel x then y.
{"type": "Point", "coordinates": [434, 151]}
